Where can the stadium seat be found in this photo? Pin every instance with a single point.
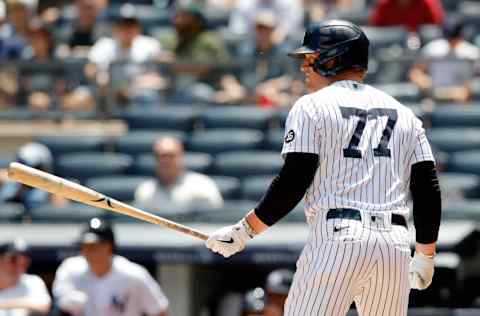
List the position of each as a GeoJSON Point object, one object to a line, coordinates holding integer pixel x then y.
{"type": "Point", "coordinates": [82, 166]}
{"type": "Point", "coordinates": [229, 187]}
{"type": "Point", "coordinates": [199, 162]}
{"type": "Point", "coordinates": [454, 139]}
{"type": "Point", "coordinates": [461, 209]}
{"type": "Point", "coordinates": [237, 117]}
{"type": "Point", "coordinates": [429, 311]}
{"type": "Point", "coordinates": [141, 142]}
{"type": "Point", "coordinates": [429, 32]}
{"type": "Point", "coordinates": [243, 164]}
{"type": "Point", "coordinates": [466, 312]}
{"type": "Point", "coordinates": [253, 188]}
{"type": "Point", "coordinates": [215, 141]}
{"type": "Point", "coordinates": [465, 162]}
{"type": "Point", "coordinates": [60, 145]}
{"type": "Point", "coordinates": [121, 188]}
{"type": "Point", "coordinates": [11, 212]}
{"type": "Point", "coordinates": [166, 118]}
{"type": "Point", "coordinates": [454, 115]}
{"type": "Point", "coordinates": [456, 185]}
{"type": "Point", "coordinates": [404, 92]}
{"type": "Point", "coordinates": [232, 211]}
{"type": "Point", "coordinates": [72, 213]}
{"type": "Point", "coordinates": [386, 37]}
{"type": "Point", "coordinates": [5, 161]}
{"type": "Point", "coordinates": [274, 140]}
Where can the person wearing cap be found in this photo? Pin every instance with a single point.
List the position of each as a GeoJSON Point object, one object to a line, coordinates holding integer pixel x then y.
{"type": "Point", "coordinates": [99, 282]}
{"type": "Point", "coordinates": [253, 303]}
{"type": "Point", "coordinates": [264, 77]}
{"type": "Point", "coordinates": [450, 54]}
{"type": "Point", "coordinates": [20, 293]}
{"type": "Point", "coordinates": [37, 156]}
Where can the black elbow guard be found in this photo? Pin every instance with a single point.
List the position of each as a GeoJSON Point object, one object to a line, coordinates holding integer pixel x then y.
{"type": "Point", "coordinates": [427, 206]}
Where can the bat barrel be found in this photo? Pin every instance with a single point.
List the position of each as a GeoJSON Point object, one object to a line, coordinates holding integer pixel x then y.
{"type": "Point", "coordinates": [74, 191]}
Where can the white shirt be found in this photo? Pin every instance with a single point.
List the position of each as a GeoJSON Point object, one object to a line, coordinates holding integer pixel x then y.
{"type": "Point", "coordinates": [29, 287]}
{"type": "Point", "coordinates": [440, 48]}
{"type": "Point", "coordinates": [127, 290]}
{"type": "Point", "coordinates": [366, 142]}
{"type": "Point", "coordinates": [191, 189]}
{"type": "Point", "coordinates": [107, 50]}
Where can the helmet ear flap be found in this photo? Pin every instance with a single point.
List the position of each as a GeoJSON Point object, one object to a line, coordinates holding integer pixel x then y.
{"type": "Point", "coordinates": [326, 69]}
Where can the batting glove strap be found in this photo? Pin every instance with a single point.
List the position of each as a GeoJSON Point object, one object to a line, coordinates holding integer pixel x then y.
{"type": "Point", "coordinates": [421, 271]}
{"type": "Point", "coordinates": [248, 229]}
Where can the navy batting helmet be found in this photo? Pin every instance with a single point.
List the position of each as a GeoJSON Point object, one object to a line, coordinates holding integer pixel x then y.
{"type": "Point", "coordinates": [335, 39]}
{"type": "Point", "coordinates": [97, 230]}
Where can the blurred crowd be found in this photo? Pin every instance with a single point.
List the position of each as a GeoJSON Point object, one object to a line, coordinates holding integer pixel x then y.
{"type": "Point", "coordinates": [94, 54]}
{"type": "Point", "coordinates": [106, 56]}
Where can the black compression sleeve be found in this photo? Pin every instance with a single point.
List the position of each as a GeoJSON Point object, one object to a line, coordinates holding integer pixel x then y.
{"type": "Point", "coordinates": [288, 187]}
{"type": "Point", "coordinates": [427, 204]}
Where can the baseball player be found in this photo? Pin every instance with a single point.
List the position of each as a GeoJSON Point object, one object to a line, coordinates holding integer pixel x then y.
{"type": "Point", "coordinates": [101, 283]}
{"type": "Point", "coordinates": [357, 155]}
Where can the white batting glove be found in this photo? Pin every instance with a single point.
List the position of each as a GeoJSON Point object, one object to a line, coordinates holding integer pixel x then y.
{"type": "Point", "coordinates": [231, 239]}
{"type": "Point", "coordinates": [421, 271]}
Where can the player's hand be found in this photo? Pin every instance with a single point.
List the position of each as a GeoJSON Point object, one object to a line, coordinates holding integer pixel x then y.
{"type": "Point", "coordinates": [73, 302]}
{"type": "Point", "coordinates": [421, 271]}
{"type": "Point", "coordinates": [229, 240]}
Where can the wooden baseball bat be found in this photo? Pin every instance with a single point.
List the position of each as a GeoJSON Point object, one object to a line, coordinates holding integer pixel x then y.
{"type": "Point", "coordinates": [76, 192]}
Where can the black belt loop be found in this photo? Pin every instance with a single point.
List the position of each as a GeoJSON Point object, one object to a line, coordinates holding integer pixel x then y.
{"type": "Point", "coordinates": [350, 213]}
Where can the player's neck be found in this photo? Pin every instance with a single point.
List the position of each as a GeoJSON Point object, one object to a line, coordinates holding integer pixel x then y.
{"type": "Point", "coordinates": [348, 75]}
{"type": "Point", "coordinates": [101, 270]}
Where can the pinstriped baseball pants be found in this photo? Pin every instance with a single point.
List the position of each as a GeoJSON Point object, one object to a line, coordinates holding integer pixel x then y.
{"type": "Point", "coordinates": [347, 261]}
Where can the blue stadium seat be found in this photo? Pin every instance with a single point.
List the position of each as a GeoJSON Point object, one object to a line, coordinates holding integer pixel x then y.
{"type": "Point", "coordinates": [166, 118]}
{"type": "Point", "coordinates": [429, 32]}
{"type": "Point", "coordinates": [229, 187]}
{"type": "Point", "coordinates": [82, 166]}
{"type": "Point", "coordinates": [215, 141]}
{"type": "Point", "coordinates": [404, 92]}
{"type": "Point", "coordinates": [454, 139]}
{"type": "Point", "coordinates": [237, 117]}
{"type": "Point", "coordinates": [141, 141]}
{"type": "Point", "coordinates": [253, 188]}
{"type": "Point", "coordinates": [274, 140]}
{"type": "Point", "coordinates": [121, 188]}
{"type": "Point", "coordinates": [455, 115]}
{"type": "Point", "coordinates": [456, 185]}
{"type": "Point", "coordinates": [466, 312]}
{"type": "Point", "coordinates": [199, 162]}
{"type": "Point", "coordinates": [465, 162]}
{"type": "Point", "coordinates": [62, 144]}
{"type": "Point", "coordinates": [461, 209]}
{"type": "Point", "coordinates": [72, 213]}
{"type": "Point", "coordinates": [429, 311]}
{"type": "Point", "coordinates": [11, 212]}
{"type": "Point", "coordinates": [232, 211]}
{"type": "Point", "coordinates": [243, 164]}
{"type": "Point", "coordinates": [386, 37]}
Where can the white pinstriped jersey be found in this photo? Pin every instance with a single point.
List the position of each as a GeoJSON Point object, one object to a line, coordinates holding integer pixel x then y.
{"type": "Point", "coordinates": [366, 142]}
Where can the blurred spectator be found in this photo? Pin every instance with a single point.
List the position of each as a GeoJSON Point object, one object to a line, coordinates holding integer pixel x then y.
{"type": "Point", "coordinates": [12, 46]}
{"type": "Point", "coordinates": [20, 293]}
{"type": "Point", "coordinates": [408, 13]}
{"type": "Point", "coordinates": [196, 52]}
{"type": "Point", "coordinates": [98, 282]}
{"type": "Point", "coordinates": [191, 40]}
{"type": "Point", "coordinates": [277, 287]}
{"type": "Point", "coordinates": [176, 189]}
{"type": "Point", "coordinates": [450, 55]}
{"type": "Point", "coordinates": [253, 302]}
{"type": "Point", "coordinates": [80, 35]}
{"type": "Point", "coordinates": [289, 14]}
{"type": "Point", "coordinates": [20, 14]}
{"type": "Point", "coordinates": [263, 75]}
{"type": "Point", "coordinates": [126, 55]}
{"type": "Point", "coordinates": [38, 156]}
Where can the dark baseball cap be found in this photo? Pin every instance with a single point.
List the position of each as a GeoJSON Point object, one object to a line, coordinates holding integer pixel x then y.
{"type": "Point", "coordinates": [127, 14]}
{"type": "Point", "coordinates": [97, 230]}
{"type": "Point", "coordinates": [14, 246]}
